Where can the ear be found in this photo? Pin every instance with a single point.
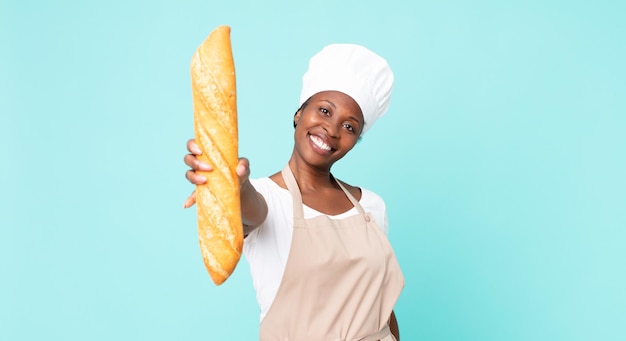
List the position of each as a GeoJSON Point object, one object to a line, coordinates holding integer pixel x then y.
{"type": "Point", "coordinates": [296, 117]}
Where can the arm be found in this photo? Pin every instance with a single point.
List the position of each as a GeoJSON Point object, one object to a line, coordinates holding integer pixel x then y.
{"type": "Point", "coordinates": [253, 205]}
{"type": "Point", "coordinates": [393, 326]}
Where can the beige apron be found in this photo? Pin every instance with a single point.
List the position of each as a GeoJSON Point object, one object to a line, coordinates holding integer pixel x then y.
{"type": "Point", "coordinates": [341, 280]}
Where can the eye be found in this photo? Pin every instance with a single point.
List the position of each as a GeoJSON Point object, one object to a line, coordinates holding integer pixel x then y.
{"type": "Point", "coordinates": [324, 111]}
{"type": "Point", "coordinates": [349, 127]}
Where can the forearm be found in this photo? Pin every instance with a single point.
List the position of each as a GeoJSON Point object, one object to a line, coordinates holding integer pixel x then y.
{"type": "Point", "coordinates": [253, 207]}
{"type": "Point", "coordinates": [393, 326]}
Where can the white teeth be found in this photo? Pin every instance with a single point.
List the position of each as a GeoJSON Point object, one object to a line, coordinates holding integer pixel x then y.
{"type": "Point", "coordinates": [318, 142]}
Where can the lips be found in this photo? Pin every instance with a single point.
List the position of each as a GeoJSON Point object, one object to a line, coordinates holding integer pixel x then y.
{"type": "Point", "coordinates": [320, 143]}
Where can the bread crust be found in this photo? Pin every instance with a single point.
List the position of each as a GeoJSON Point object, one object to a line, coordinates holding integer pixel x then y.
{"type": "Point", "coordinates": [220, 230]}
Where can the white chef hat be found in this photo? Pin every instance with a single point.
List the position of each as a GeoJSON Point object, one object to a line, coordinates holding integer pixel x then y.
{"type": "Point", "coordinates": [355, 71]}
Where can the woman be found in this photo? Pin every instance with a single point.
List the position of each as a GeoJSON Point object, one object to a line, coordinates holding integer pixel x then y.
{"type": "Point", "coordinates": [317, 248]}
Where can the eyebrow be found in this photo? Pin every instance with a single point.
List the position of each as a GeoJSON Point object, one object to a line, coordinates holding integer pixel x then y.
{"type": "Point", "coordinates": [353, 118]}
{"type": "Point", "coordinates": [329, 102]}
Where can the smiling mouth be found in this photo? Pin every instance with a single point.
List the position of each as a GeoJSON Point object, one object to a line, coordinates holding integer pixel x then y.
{"type": "Point", "coordinates": [319, 143]}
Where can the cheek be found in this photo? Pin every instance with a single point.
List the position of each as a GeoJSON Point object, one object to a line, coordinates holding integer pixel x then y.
{"type": "Point", "coordinates": [312, 116]}
{"type": "Point", "coordinates": [350, 141]}
{"type": "Point", "coordinates": [309, 119]}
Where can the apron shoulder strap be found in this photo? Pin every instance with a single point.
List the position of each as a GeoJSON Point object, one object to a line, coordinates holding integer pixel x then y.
{"type": "Point", "coordinates": [292, 186]}
{"type": "Point", "coordinates": [352, 198]}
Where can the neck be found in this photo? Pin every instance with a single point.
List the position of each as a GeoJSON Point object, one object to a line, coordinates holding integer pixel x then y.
{"type": "Point", "coordinates": [310, 178]}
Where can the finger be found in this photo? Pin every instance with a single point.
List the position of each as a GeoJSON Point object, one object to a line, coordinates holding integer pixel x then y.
{"type": "Point", "coordinates": [243, 167]}
{"type": "Point", "coordinates": [195, 178]}
{"type": "Point", "coordinates": [192, 161]}
{"type": "Point", "coordinates": [190, 201]}
{"type": "Point", "coordinates": [193, 147]}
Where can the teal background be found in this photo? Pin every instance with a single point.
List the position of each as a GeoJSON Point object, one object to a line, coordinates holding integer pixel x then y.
{"type": "Point", "coordinates": [502, 161]}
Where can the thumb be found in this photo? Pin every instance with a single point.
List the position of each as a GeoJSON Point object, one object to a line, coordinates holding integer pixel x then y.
{"type": "Point", "coordinates": [243, 169]}
{"type": "Point", "coordinates": [190, 201]}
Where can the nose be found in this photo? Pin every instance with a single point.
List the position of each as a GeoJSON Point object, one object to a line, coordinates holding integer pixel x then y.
{"type": "Point", "coordinates": [332, 127]}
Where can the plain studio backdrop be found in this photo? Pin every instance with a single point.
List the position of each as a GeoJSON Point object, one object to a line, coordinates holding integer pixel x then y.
{"type": "Point", "coordinates": [502, 160]}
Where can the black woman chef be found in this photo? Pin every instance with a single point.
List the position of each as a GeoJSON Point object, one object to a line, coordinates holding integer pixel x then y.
{"type": "Point", "coordinates": [321, 264]}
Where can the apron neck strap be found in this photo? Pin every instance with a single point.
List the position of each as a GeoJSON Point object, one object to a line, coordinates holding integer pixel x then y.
{"type": "Point", "coordinates": [352, 199]}
{"type": "Point", "coordinates": [293, 188]}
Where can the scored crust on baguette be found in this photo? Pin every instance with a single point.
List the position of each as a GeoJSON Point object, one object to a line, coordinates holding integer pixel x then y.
{"type": "Point", "coordinates": [220, 230]}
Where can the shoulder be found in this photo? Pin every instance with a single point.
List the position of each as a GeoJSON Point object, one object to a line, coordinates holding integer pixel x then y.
{"type": "Point", "coordinates": [279, 213]}
{"type": "Point", "coordinates": [275, 196]}
{"type": "Point", "coordinates": [265, 185]}
{"type": "Point", "coordinates": [261, 182]}
{"type": "Point", "coordinates": [365, 196]}
{"type": "Point", "coordinates": [373, 203]}
{"type": "Point", "coordinates": [370, 198]}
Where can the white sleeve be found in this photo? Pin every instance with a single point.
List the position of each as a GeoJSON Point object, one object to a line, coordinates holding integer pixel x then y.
{"type": "Point", "coordinates": [375, 205]}
{"type": "Point", "coordinates": [267, 247]}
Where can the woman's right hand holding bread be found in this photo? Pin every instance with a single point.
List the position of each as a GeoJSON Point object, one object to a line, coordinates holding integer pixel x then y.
{"type": "Point", "coordinates": [253, 205]}
{"type": "Point", "coordinates": [192, 161]}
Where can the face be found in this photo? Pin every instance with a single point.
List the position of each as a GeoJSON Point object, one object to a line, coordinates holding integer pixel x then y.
{"type": "Point", "coordinates": [327, 128]}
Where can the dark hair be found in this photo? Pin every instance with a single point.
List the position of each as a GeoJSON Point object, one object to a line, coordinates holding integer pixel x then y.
{"type": "Point", "coordinates": [300, 109]}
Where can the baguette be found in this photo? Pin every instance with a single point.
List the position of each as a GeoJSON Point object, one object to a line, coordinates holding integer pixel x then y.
{"type": "Point", "coordinates": [220, 229]}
